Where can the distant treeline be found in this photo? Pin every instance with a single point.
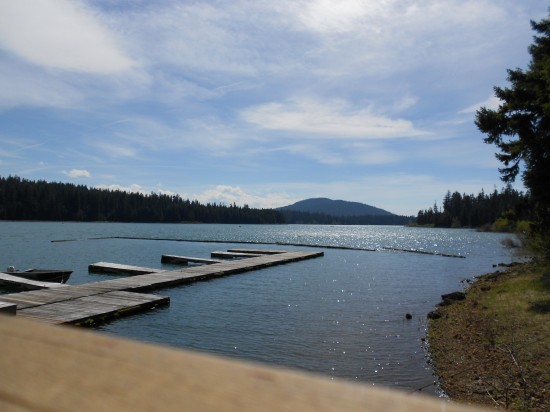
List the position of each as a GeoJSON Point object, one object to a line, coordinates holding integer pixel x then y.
{"type": "Point", "coordinates": [477, 210]}
{"type": "Point", "coordinates": [291, 216]}
{"type": "Point", "coordinates": [22, 199]}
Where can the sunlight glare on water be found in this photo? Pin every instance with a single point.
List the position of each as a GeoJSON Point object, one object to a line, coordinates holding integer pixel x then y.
{"type": "Point", "coordinates": [342, 315]}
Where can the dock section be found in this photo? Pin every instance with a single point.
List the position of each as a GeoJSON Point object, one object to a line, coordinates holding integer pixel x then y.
{"type": "Point", "coordinates": [116, 268]}
{"type": "Point", "coordinates": [93, 308]}
{"type": "Point", "coordinates": [96, 302]}
{"type": "Point", "coordinates": [17, 281]}
{"type": "Point", "coordinates": [257, 251]}
{"type": "Point", "coordinates": [184, 260]}
{"type": "Point", "coordinates": [234, 255]}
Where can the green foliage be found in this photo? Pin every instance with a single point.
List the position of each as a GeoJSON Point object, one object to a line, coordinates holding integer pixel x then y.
{"type": "Point", "coordinates": [480, 210]}
{"type": "Point", "coordinates": [520, 127]}
{"type": "Point", "coordinates": [22, 199]}
{"type": "Point", "coordinates": [504, 225]}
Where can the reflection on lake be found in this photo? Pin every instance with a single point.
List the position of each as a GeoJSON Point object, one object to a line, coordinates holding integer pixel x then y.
{"type": "Point", "coordinates": [341, 315]}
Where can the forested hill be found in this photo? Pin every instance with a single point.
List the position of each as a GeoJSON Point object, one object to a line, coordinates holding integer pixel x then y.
{"type": "Point", "coordinates": [339, 212]}
{"type": "Point", "coordinates": [22, 199]}
{"type": "Point", "coordinates": [335, 208]}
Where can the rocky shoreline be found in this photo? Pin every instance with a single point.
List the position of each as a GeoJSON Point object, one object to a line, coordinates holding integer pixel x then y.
{"type": "Point", "coordinates": [490, 345]}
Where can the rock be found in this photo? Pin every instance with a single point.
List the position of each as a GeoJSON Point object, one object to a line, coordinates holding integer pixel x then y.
{"type": "Point", "coordinates": [454, 296]}
{"type": "Point", "coordinates": [434, 315]}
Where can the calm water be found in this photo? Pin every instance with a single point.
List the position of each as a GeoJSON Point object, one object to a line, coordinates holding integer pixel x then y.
{"type": "Point", "coordinates": [341, 315]}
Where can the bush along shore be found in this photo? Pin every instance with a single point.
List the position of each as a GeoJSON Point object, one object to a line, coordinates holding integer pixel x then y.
{"type": "Point", "coordinates": [491, 345]}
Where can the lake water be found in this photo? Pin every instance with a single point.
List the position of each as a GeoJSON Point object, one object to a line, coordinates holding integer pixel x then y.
{"type": "Point", "coordinates": [341, 315]}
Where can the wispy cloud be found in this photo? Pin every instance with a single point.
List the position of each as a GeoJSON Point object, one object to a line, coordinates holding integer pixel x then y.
{"type": "Point", "coordinates": [77, 173]}
{"type": "Point", "coordinates": [114, 150]}
{"type": "Point", "coordinates": [492, 103]}
{"type": "Point", "coordinates": [333, 119]}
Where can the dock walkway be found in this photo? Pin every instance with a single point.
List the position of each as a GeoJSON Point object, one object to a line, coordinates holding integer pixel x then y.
{"type": "Point", "coordinates": [99, 301]}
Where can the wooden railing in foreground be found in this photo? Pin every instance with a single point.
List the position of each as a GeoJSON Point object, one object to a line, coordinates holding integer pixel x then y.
{"type": "Point", "coordinates": [62, 368]}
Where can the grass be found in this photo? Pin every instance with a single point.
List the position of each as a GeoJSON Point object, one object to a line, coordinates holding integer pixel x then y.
{"type": "Point", "coordinates": [493, 348]}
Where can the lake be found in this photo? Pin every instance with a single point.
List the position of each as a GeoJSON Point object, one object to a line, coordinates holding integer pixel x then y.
{"type": "Point", "coordinates": [341, 315]}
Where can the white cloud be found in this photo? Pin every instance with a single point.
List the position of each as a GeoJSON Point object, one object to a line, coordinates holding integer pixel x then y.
{"type": "Point", "coordinates": [62, 34]}
{"type": "Point", "coordinates": [326, 16]}
{"type": "Point", "coordinates": [491, 103]}
{"type": "Point", "coordinates": [116, 149]}
{"type": "Point", "coordinates": [76, 173]}
{"type": "Point", "coordinates": [226, 194]}
{"type": "Point", "coordinates": [331, 119]}
{"type": "Point", "coordinates": [133, 188]}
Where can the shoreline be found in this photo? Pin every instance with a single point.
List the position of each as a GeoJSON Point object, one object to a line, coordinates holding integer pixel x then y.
{"type": "Point", "coordinates": [490, 345]}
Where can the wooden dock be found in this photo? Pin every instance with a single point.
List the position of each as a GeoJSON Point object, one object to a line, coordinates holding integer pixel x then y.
{"type": "Point", "coordinates": [99, 301]}
{"type": "Point", "coordinates": [10, 280]}
{"type": "Point", "coordinates": [184, 260]}
{"type": "Point", "coordinates": [233, 255]}
{"type": "Point", "coordinates": [115, 268]}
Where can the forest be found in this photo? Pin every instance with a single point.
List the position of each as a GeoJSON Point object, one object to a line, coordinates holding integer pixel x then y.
{"type": "Point", "coordinates": [463, 210]}
{"type": "Point", "coordinates": [22, 199]}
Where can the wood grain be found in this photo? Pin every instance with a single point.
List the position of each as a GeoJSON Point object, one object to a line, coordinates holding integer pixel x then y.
{"type": "Point", "coordinates": [61, 368]}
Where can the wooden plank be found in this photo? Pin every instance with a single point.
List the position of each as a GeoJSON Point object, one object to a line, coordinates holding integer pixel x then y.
{"type": "Point", "coordinates": [83, 371]}
{"type": "Point", "coordinates": [94, 308]}
{"type": "Point", "coordinates": [185, 259]}
{"type": "Point", "coordinates": [117, 268]}
{"type": "Point", "coordinates": [232, 255]}
{"type": "Point", "coordinates": [17, 281]}
{"type": "Point", "coordinates": [257, 251]}
{"type": "Point", "coordinates": [8, 308]}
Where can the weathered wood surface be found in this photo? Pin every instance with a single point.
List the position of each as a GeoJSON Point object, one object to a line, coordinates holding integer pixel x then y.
{"type": "Point", "coordinates": [232, 255]}
{"type": "Point", "coordinates": [17, 281]}
{"type": "Point", "coordinates": [257, 251]}
{"type": "Point", "coordinates": [61, 369]}
{"type": "Point", "coordinates": [184, 260]}
{"type": "Point", "coordinates": [93, 308]}
{"type": "Point", "coordinates": [117, 268]}
{"type": "Point", "coordinates": [59, 305]}
{"type": "Point", "coordinates": [8, 308]}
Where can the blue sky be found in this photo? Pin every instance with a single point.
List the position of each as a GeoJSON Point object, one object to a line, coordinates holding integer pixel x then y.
{"type": "Point", "coordinates": [258, 102]}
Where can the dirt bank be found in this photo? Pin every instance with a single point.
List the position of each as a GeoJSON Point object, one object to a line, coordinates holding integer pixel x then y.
{"type": "Point", "coordinates": [493, 346]}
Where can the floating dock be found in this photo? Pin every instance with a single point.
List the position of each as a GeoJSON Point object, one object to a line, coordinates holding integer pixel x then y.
{"type": "Point", "coordinates": [115, 268]}
{"type": "Point", "coordinates": [97, 302]}
{"type": "Point", "coordinates": [11, 280]}
{"type": "Point", "coordinates": [184, 260]}
{"type": "Point", "coordinates": [233, 255]}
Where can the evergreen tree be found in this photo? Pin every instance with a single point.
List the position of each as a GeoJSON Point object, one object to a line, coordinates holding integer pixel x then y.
{"type": "Point", "coordinates": [520, 127]}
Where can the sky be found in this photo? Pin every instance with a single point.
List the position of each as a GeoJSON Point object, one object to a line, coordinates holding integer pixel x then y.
{"type": "Point", "coordinates": [262, 103]}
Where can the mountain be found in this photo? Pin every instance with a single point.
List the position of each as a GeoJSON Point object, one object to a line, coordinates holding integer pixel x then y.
{"type": "Point", "coordinates": [335, 208]}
